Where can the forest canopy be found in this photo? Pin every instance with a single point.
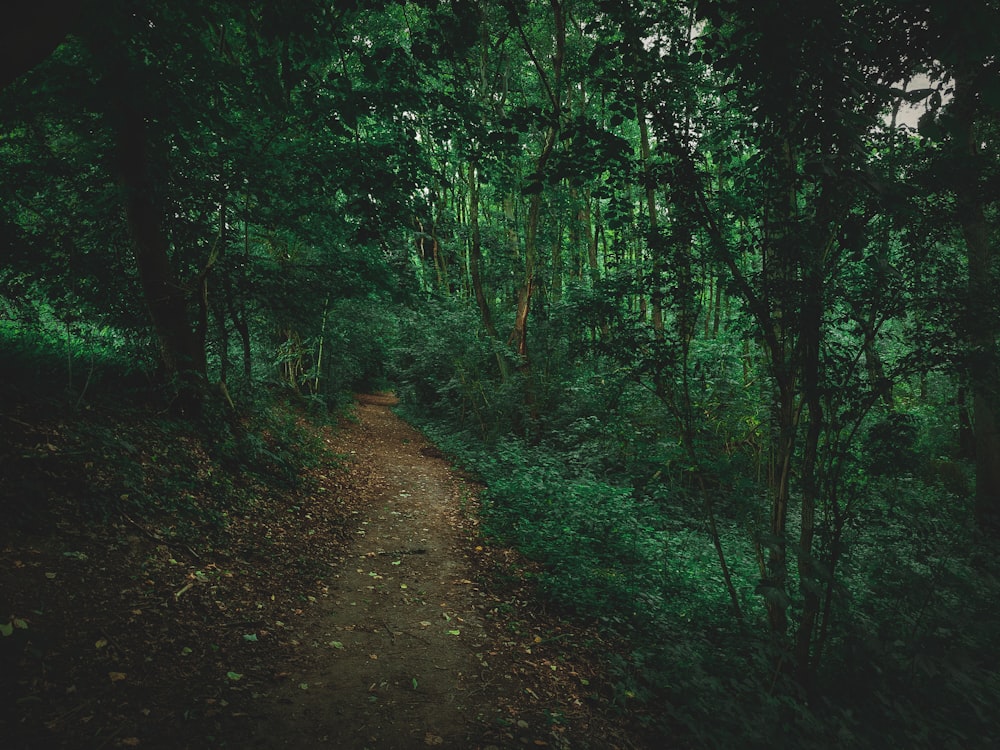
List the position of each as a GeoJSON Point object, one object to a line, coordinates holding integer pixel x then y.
{"type": "Point", "coordinates": [710, 310]}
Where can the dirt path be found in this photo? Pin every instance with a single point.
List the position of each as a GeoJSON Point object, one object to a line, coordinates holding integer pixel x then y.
{"type": "Point", "coordinates": [362, 610]}
{"type": "Point", "coordinates": [398, 656]}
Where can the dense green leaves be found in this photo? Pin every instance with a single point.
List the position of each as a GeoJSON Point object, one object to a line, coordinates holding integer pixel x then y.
{"type": "Point", "coordinates": [747, 262]}
{"type": "Point", "coordinates": [720, 323]}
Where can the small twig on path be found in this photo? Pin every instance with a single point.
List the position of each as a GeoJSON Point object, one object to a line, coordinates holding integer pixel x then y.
{"type": "Point", "coordinates": [110, 737]}
{"type": "Point", "coordinates": [389, 629]}
{"type": "Point", "coordinates": [158, 538]}
{"type": "Point", "coordinates": [63, 716]}
{"type": "Point", "coordinates": [554, 638]}
{"type": "Point", "coordinates": [414, 635]}
{"type": "Point", "coordinates": [184, 589]}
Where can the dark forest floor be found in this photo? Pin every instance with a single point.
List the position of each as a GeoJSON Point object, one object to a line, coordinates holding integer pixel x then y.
{"type": "Point", "coordinates": [363, 610]}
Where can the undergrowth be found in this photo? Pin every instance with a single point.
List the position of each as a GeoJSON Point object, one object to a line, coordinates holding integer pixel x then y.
{"type": "Point", "coordinates": [588, 476]}
{"type": "Point", "coordinates": [913, 625]}
{"type": "Point", "coordinates": [116, 449]}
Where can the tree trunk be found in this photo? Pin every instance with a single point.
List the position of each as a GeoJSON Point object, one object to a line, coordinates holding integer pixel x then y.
{"type": "Point", "coordinates": [240, 323]}
{"type": "Point", "coordinates": [476, 254]}
{"type": "Point", "coordinates": [717, 320]}
{"type": "Point", "coordinates": [782, 450]}
{"type": "Point", "coordinates": [519, 336]}
{"type": "Point", "coordinates": [654, 239]}
{"type": "Point", "coordinates": [780, 278]}
{"type": "Point", "coordinates": [591, 233]}
{"type": "Point", "coordinates": [984, 367]}
{"type": "Point", "coordinates": [880, 384]}
{"type": "Point", "coordinates": [223, 333]}
{"type": "Point", "coordinates": [810, 325]}
{"type": "Point", "coordinates": [182, 345]}
{"type": "Point", "coordinates": [966, 435]}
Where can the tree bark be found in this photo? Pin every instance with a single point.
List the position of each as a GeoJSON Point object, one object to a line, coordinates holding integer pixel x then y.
{"type": "Point", "coordinates": [182, 345]}
{"type": "Point", "coordinates": [223, 336]}
{"type": "Point", "coordinates": [984, 364]}
{"type": "Point", "coordinates": [654, 239]}
{"type": "Point", "coordinates": [519, 336]}
{"type": "Point", "coordinates": [476, 254]}
{"type": "Point", "coordinates": [811, 319]}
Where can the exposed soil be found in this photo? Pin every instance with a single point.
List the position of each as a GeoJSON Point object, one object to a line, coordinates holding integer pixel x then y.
{"type": "Point", "coordinates": [366, 613]}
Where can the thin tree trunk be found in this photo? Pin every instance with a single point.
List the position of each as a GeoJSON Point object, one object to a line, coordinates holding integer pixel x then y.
{"type": "Point", "coordinates": [717, 322]}
{"type": "Point", "coordinates": [654, 241]}
{"type": "Point", "coordinates": [557, 262]}
{"type": "Point", "coordinates": [319, 348]}
{"type": "Point", "coordinates": [589, 219]}
{"type": "Point", "coordinates": [519, 336]}
{"type": "Point", "coordinates": [779, 273]}
{"type": "Point", "coordinates": [223, 333]}
{"type": "Point", "coordinates": [966, 435]}
{"type": "Point", "coordinates": [708, 304]}
{"type": "Point", "coordinates": [242, 327]}
{"type": "Point", "coordinates": [476, 254]}
{"type": "Point", "coordinates": [809, 586]}
{"type": "Point", "coordinates": [475, 267]}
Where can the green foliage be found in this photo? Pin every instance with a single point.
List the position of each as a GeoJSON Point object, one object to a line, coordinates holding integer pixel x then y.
{"type": "Point", "coordinates": [442, 367]}
{"type": "Point", "coordinates": [917, 579]}
{"type": "Point", "coordinates": [362, 336]}
{"type": "Point", "coordinates": [603, 495]}
{"type": "Point", "coordinates": [261, 207]}
{"type": "Point", "coordinates": [723, 336]}
{"type": "Point", "coordinates": [270, 443]}
{"type": "Point", "coordinates": [113, 448]}
{"type": "Point", "coordinates": [890, 447]}
{"type": "Point", "coordinates": [603, 552]}
{"type": "Point", "coordinates": [64, 361]}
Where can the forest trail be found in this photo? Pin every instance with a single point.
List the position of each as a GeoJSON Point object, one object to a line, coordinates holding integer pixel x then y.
{"type": "Point", "coordinates": [362, 610]}
{"type": "Point", "coordinates": [399, 655]}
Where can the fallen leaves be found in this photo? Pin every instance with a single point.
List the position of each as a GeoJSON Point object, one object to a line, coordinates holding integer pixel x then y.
{"type": "Point", "coordinates": [15, 623]}
{"type": "Point", "coordinates": [217, 607]}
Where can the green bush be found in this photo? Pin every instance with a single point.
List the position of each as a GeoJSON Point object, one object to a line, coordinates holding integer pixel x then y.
{"type": "Point", "coordinates": [604, 492]}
